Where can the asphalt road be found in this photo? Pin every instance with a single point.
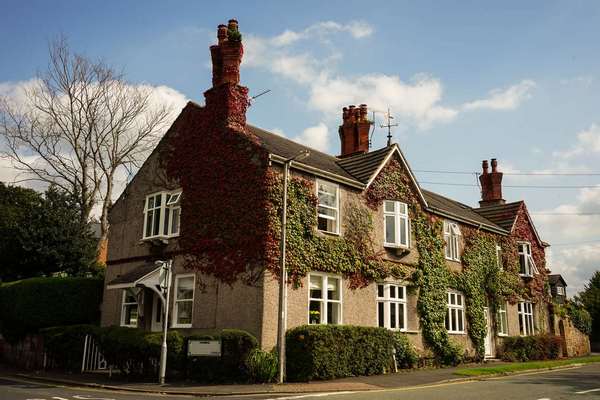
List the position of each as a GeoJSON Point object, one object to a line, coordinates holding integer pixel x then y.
{"type": "Point", "coordinates": [576, 383]}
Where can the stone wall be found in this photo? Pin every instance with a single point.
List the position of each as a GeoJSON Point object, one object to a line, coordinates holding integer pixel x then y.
{"type": "Point", "coordinates": [577, 343]}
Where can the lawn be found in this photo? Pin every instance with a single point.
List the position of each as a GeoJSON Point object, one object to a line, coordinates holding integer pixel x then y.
{"type": "Point", "coordinates": [524, 366]}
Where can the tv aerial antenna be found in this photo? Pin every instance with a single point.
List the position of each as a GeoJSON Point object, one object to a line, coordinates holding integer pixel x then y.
{"type": "Point", "coordinates": [258, 95]}
{"type": "Point", "coordinates": [389, 126]}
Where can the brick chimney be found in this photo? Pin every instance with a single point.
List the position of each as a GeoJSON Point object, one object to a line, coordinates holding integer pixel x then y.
{"type": "Point", "coordinates": [491, 185]}
{"type": "Point", "coordinates": [354, 131]}
{"type": "Point", "coordinates": [227, 99]}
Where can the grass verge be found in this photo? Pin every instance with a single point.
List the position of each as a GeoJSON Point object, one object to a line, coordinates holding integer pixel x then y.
{"type": "Point", "coordinates": [524, 366]}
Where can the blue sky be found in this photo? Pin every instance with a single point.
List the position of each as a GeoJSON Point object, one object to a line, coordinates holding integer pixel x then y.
{"type": "Point", "coordinates": [518, 81]}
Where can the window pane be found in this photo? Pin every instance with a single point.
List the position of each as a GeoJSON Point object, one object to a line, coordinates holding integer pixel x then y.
{"type": "Point", "coordinates": [392, 315]}
{"type": "Point", "coordinates": [333, 289]}
{"type": "Point", "coordinates": [403, 236]}
{"type": "Point", "coordinates": [156, 227]}
{"type": "Point", "coordinates": [158, 200]}
{"type": "Point", "coordinates": [390, 229]}
{"type": "Point", "coordinates": [380, 291]}
{"type": "Point", "coordinates": [522, 264]}
{"type": "Point", "coordinates": [166, 222]}
{"type": "Point", "coordinates": [314, 312]}
{"type": "Point", "coordinates": [184, 312]}
{"type": "Point", "coordinates": [392, 292]}
{"type": "Point", "coordinates": [380, 314]}
{"type": "Point", "coordinates": [327, 195]}
{"type": "Point", "coordinates": [333, 313]}
{"type": "Point", "coordinates": [389, 206]}
{"type": "Point", "coordinates": [453, 319]}
{"type": "Point", "coordinates": [401, 290]}
{"type": "Point", "coordinates": [460, 320]}
{"type": "Point", "coordinates": [131, 315]}
{"type": "Point", "coordinates": [459, 299]}
{"type": "Point", "coordinates": [402, 208]}
{"type": "Point", "coordinates": [175, 223]}
{"type": "Point", "coordinates": [185, 288]}
{"type": "Point", "coordinates": [316, 287]}
{"type": "Point", "coordinates": [149, 223]}
{"type": "Point", "coordinates": [401, 316]}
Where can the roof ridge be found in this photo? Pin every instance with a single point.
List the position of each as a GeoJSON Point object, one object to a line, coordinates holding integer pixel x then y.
{"type": "Point", "coordinates": [448, 198]}
{"type": "Point", "coordinates": [500, 205]}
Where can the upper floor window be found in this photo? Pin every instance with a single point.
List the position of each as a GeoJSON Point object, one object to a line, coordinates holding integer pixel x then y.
{"type": "Point", "coordinates": [455, 315]}
{"type": "Point", "coordinates": [328, 207]}
{"type": "Point", "coordinates": [184, 301]}
{"type": "Point", "coordinates": [526, 264]}
{"type": "Point", "coordinates": [560, 290]}
{"type": "Point", "coordinates": [499, 258]}
{"type": "Point", "coordinates": [325, 299]}
{"type": "Point", "coordinates": [395, 224]}
{"type": "Point", "coordinates": [452, 239]}
{"type": "Point", "coordinates": [525, 311]}
{"type": "Point", "coordinates": [391, 306]}
{"type": "Point", "coordinates": [162, 213]}
{"type": "Point", "coordinates": [129, 308]}
{"type": "Point", "coordinates": [502, 320]}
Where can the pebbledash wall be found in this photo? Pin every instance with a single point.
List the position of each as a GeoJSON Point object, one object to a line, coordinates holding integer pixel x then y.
{"type": "Point", "coordinates": [255, 307]}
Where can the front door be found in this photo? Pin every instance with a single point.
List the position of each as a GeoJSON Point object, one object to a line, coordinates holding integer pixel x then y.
{"type": "Point", "coordinates": [157, 314]}
{"type": "Point", "coordinates": [488, 344]}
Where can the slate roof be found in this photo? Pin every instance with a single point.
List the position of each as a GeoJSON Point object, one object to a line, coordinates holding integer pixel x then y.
{"type": "Point", "coordinates": [556, 278]}
{"type": "Point", "coordinates": [437, 202]}
{"type": "Point", "coordinates": [363, 166]}
{"type": "Point", "coordinates": [503, 215]}
{"type": "Point", "coordinates": [134, 275]}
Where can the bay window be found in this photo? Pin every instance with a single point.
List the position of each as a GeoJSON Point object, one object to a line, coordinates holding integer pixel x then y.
{"type": "Point", "coordinates": [325, 299]}
{"type": "Point", "coordinates": [526, 264]}
{"type": "Point", "coordinates": [184, 301]}
{"type": "Point", "coordinates": [129, 308]}
{"type": "Point", "coordinates": [162, 214]}
{"type": "Point", "coordinates": [391, 306]}
{"type": "Point", "coordinates": [525, 311]}
{"type": "Point", "coordinates": [455, 314]}
{"type": "Point", "coordinates": [452, 239]}
{"type": "Point", "coordinates": [501, 319]}
{"type": "Point", "coordinates": [395, 224]}
{"type": "Point", "coordinates": [328, 207]}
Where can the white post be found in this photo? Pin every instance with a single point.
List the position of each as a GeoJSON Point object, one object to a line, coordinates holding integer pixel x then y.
{"type": "Point", "coordinates": [167, 294]}
{"type": "Point", "coordinates": [283, 280]}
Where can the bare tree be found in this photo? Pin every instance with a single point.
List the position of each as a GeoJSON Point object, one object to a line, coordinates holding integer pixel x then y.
{"type": "Point", "coordinates": [79, 124]}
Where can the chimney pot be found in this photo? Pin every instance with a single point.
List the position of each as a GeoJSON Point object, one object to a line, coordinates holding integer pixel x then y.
{"type": "Point", "coordinates": [226, 56]}
{"type": "Point", "coordinates": [222, 33]}
{"type": "Point", "coordinates": [354, 131]}
{"type": "Point", "coordinates": [494, 165]}
{"type": "Point", "coordinates": [491, 185]}
{"type": "Point", "coordinates": [484, 166]}
{"type": "Point", "coordinates": [232, 24]}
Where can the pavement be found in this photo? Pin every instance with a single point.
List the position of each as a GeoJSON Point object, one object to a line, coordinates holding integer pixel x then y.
{"type": "Point", "coordinates": [569, 383]}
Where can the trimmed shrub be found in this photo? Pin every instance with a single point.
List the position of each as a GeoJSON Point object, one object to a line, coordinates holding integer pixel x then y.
{"type": "Point", "coordinates": [335, 351]}
{"type": "Point", "coordinates": [262, 366]}
{"type": "Point", "coordinates": [526, 348]}
{"type": "Point", "coordinates": [32, 304]}
{"type": "Point", "coordinates": [406, 355]}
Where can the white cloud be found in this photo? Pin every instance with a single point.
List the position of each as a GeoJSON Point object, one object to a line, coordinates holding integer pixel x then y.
{"type": "Point", "coordinates": [584, 80]}
{"type": "Point", "coordinates": [588, 143]}
{"type": "Point", "coordinates": [316, 137]}
{"type": "Point", "coordinates": [504, 99]}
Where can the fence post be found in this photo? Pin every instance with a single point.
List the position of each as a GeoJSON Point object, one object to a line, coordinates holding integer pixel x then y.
{"type": "Point", "coordinates": [85, 342]}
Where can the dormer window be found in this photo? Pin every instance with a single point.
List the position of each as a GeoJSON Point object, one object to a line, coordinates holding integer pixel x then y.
{"type": "Point", "coordinates": [162, 213]}
{"type": "Point", "coordinates": [395, 224]}
{"type": "Point", "coordinates": [452, 239]}
{"type": "Point", "coordinates": [526, 264]}
{"type": "Point", "coordinates": [328, 207]}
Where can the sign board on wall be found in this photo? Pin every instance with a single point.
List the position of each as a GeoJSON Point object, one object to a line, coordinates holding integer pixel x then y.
{"type": "Point", "coordinates": [210, 348]}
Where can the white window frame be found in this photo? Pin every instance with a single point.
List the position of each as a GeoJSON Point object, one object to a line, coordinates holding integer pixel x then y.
{"type": "Point", "coordinates": [452, 236]}
{"type": "Point", "coordinates": [324, 300]}
{"type": "Point", "coordinates": [524, 249]}
{"type": "Point", "coordinates": [456, 310]}
{"type": "Point", "coordinates": [398, 216]}
{"type": "Point", "coordinates": [502, 319]}
{"type": "Point", "coordinates": [525, 310]}
{"type": "Point", "coordinates": [177, 301]}
{"type": "Point", "coordinates": [168, 207]}
{"type": "Point", "coordinates": [499, 257]}
{"type": "Point", "coordinates": [560, 290]}
{"type": "Point", "coordinates": [389, 303]}
{"type": "Point", "coordinates": [125, 304]}
{"type": "Point", "coordinates": [335, 208]}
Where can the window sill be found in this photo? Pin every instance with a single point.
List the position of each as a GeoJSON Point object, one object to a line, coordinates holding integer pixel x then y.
{"type": "Point", "coordinates": [457, 333]}
{"type": "Point", "coordinates": [328, 233]}
{"type": "Point", "coordinates": [452, 259]}
{"type": "Point", "coordinates": [175, 326]}
{"type": "Point", "coordinates": [502, 334]}
{"type": "Point", "coordinates": [128, 326]}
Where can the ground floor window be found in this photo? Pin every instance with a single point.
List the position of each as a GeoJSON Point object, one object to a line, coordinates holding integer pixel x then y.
{"type": "Point", "coordinates": [455, 315]}
{"type": "Point", "coordinates": [129, 308]}
{"type": "Point", "coordinates": [526, 326]}
{"type": "Point", "coordinates": [391, 306]}
{"type": "Point", "coordinates": [325, 299]}
{"type": "Point", "coordinates": [184, 301]}
{"type": "Point", "coordinates": [501, 319]}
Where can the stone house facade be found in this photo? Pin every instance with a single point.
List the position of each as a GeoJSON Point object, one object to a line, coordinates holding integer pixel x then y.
{"type": "Point", "coordinates": [148, 219]}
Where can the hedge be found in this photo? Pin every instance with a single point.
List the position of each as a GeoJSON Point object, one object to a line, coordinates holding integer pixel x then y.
{"type": "Point", "coordinates": [29, 305]}
{"type": "Point", "coordinates": [526, 348]}
{"type": "Point", "coordinates": [335, 351]}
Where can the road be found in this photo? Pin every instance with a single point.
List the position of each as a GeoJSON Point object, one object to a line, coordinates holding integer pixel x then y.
{"type": "Point", "coordinates": [575, 383]}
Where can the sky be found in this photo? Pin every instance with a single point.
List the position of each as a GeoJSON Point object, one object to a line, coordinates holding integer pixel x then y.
{"type": "Point", "coordinates": [465, 81]}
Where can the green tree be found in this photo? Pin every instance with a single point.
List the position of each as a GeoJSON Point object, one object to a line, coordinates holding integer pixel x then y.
{"type": "Point", "coordinates": [43, 234]}
{"type": "Point", "coordinates": [590, 298]}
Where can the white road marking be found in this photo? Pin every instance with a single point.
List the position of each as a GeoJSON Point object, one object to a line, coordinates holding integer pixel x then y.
{"type": "Point", "coordinates": [588, 391]}
{"type": "Point", "coordinates": [59, 398]}
{"type": "Point", "coordinates": [83, 397]}
{"type": "Point", "coordinates": [303, 396]}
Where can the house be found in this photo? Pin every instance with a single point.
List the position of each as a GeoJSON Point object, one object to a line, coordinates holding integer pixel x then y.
{"type": "Point", "coordinates": [207, 199]}
{"type": "Point", "coordinates": [558, 288]}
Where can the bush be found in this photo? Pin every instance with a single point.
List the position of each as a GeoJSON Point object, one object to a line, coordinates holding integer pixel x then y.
{"type": "Point", "coordinates": [406, 356]}
{"type": "Point", "coordinates": [580, 317]}
{"type": "Point", "coordinates": [334, 351]}
{"type": "Point", "coordinates": [32, 304]}
{"type": "Point", "coordinates": [262, 366]}
{"type": "Point", "coordinates": [526, 348]}
{"type": "Point", "coordinates": [236, 346]}
{"type": "Point", "coordinates": [64, 344]}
